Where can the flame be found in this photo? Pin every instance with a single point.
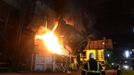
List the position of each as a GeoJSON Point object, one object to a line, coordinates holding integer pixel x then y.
{"type": "Point", "coordinates": [51, 41]}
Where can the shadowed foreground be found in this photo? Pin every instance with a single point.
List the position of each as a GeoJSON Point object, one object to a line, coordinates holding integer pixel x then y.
{"type": "Point", "coordinates": [74, 73]}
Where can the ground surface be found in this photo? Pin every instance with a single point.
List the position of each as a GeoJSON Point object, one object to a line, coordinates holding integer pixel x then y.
{"type": "Point", "coordinates": [73, 73]}
{"type": "Point", "coordinates": [130, 72]}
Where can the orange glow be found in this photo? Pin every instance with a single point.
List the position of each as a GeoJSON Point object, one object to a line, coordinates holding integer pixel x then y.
{"type": "Point", "coordinates": [51, 41]}
{"type": "Point", "coordinates": [69, 20]}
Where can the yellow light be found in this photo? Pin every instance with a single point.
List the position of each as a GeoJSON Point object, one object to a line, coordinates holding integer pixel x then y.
{"type": "Point", "coordinates": [51, 42]}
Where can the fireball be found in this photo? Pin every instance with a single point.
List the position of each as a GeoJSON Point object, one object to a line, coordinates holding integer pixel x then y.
{"type": "Point", "coordinates": [50, 40]}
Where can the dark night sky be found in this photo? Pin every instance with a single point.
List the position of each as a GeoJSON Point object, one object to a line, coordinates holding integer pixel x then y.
{"type": "Point", "coordinates": [113, 18]}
